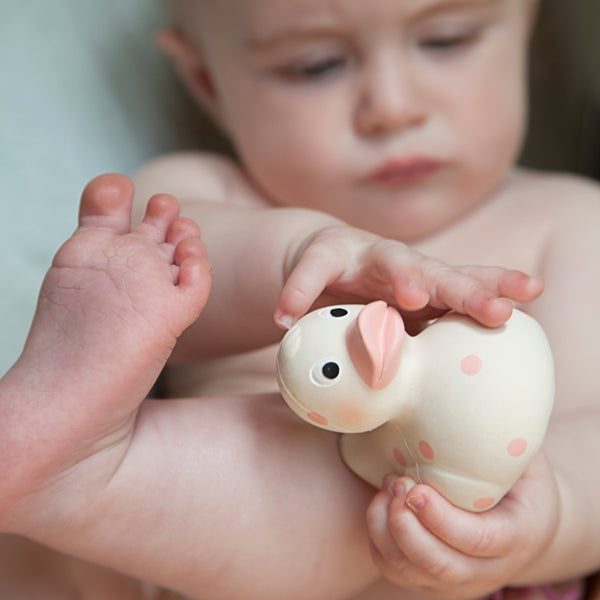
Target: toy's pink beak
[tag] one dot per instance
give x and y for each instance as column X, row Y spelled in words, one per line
column 374, row 341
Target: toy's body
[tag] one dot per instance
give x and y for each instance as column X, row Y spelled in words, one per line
column 460, row 407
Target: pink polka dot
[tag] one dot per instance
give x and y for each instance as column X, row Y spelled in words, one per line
column 483, row 503
column 517, row 447
column 399, row 457
column 471, row 365
column 426, row 450
column 318, row 419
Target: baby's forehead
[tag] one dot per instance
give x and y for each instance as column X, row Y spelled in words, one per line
column 182, row 10
column 195, row 18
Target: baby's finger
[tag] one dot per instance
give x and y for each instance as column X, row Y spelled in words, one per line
column 484, row 535
column 393, row 262
column 418, row 280
column 431, row 557
column 516, row 285
column 405, row 551
column 313, row 273
column 454, row 289
column 384, row 549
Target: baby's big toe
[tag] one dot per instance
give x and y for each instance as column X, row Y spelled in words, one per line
column 106, row 203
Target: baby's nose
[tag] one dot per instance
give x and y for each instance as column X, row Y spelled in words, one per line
column 389, row 100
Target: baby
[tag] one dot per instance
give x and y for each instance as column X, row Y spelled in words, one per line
column 402, row 119
column 360, row 127
column 78, row 438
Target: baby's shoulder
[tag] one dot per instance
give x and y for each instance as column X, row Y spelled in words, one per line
column 195, row 176
column 559, row 193
column 561, row 207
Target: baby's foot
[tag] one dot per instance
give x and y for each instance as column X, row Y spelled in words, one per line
column 114, row 302
column 110, row 310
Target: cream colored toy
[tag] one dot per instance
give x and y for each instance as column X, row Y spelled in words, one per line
column 460, row 407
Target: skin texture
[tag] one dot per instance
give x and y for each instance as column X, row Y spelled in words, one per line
column 247, row 501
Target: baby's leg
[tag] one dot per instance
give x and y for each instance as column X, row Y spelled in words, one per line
column 259, row 506
column 29, row 571
column 109, row 312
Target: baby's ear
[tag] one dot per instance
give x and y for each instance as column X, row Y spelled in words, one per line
column 191, row 68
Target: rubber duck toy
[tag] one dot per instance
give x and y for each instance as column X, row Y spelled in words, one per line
column 461, row 407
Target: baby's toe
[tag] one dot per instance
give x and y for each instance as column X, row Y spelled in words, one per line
column 195, row 283
column 189, row 248
column 182, row 229
column 162, row 210
column 106, row 203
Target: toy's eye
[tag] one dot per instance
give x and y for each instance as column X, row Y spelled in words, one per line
column 326, row 373
column 331, row 370
column 336, row 312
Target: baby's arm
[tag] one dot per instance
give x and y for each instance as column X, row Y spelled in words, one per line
column 279, row 261
column 547, row 528
column 569, row 313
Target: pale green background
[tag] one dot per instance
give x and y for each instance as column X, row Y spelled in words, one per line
column 83, row 91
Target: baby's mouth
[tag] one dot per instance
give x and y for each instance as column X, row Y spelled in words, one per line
column 403, row 171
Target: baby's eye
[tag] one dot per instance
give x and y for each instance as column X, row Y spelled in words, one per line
column 445, row 42
column 313, row 70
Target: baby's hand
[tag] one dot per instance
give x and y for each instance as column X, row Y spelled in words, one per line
column 422, row 542
column 350, row 264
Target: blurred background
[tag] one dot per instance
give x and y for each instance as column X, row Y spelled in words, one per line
column 564, row 131
column 84, row 91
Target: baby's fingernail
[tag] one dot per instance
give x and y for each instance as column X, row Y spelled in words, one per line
column 416, row 502
column 399, row 488
column 387, row 482
column 284, row 321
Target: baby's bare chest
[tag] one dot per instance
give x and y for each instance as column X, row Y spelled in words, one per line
column 506, row 237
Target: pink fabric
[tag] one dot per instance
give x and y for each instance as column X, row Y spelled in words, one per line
column 551, row 592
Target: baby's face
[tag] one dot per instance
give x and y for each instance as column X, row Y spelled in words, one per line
column 394, row 115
